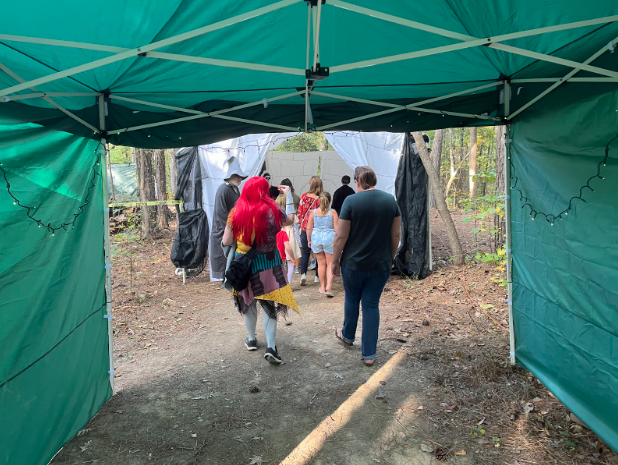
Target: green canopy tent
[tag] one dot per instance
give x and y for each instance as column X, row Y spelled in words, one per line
column 76, row 76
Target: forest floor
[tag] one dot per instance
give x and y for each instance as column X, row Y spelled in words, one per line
column 188, row 392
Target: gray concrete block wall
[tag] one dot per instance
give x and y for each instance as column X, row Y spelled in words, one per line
column 299, row 167
column 333, row 169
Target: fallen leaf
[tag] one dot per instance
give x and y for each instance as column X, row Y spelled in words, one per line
column 328, row 365
column 419, row 408
column 193, row 435
column 461, row 452
column 528, row 407
column 576, row 420
column 426, row 448
column 256, row 460
column 84, row 448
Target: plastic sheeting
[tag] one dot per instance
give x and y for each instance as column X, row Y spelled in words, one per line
column 379, row 150
column 190, row 247
column 250, row 150
column 411, row 190
column 124, row 176
column 53, row 334
column 565, row 297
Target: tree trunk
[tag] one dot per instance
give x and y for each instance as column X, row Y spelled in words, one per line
column 436, row 157
column 472, row 169
column 160, row 177
column 133, row 154
column 499, row 224
column 173, row 171
column 146, row 189
column 438, row 193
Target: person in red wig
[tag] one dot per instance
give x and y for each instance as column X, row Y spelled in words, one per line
column 256, row 219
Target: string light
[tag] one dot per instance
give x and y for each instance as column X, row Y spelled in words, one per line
column 30, row 210
column 551, row 218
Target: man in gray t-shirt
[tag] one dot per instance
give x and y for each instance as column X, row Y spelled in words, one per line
column 364, row 248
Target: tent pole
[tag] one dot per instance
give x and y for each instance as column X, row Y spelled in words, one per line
column 108, row 262
column 199, row 114
column 307, row 64
column 459, row 36
column 47, row 99
column 150, row 47
column 316, row 38
column 564, row 79
column 507, row 211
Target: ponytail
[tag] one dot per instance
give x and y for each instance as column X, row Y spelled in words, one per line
column 324, row 202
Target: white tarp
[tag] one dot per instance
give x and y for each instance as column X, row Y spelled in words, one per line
column 250, row 150
column 378, row 150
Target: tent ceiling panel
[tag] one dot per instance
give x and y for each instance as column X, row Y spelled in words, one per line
column 258, row 32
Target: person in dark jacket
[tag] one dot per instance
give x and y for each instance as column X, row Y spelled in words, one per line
column 341, row 194
column 225, row 199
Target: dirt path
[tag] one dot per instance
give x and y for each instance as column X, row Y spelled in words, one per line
column 188, row 392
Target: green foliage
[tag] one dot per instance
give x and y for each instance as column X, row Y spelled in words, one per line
column 305, row 142
column 119, row 154
column 498, row 258
column 477, row 432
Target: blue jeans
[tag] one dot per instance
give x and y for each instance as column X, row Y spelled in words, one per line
column 365, row 287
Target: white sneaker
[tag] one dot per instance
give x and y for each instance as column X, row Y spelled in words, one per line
column 316, row 280
column 303, row 280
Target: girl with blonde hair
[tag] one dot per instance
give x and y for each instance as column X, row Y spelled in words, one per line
column 321, row 229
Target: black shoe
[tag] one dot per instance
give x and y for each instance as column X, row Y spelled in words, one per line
column 251, row 345
column 273, row 356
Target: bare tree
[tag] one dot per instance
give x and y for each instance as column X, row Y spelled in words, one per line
column 173, row 171
column 145, row 180
column 472, row 166
column 160, row 178
column 454, row 172
column 438, row 193
column 436, row 157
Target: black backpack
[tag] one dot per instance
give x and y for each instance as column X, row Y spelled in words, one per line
column 239, row 272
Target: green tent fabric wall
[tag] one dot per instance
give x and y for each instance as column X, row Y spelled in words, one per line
column 564, row 276
column 53, row 334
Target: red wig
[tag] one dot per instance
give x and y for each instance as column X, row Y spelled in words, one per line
column 251, row 211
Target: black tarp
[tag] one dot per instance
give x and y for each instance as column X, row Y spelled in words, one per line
column 190, row 247
column 411, row 191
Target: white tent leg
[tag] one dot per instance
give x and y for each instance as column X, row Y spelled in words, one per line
column 507, row 211
column 184, row 276
column 108, row 262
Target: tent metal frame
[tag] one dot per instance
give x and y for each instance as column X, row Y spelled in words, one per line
column 107, row 243
column 200, row 114
column 467, row 41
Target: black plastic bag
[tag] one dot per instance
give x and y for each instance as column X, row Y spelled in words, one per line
column 190, row 247
column 411, row 189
